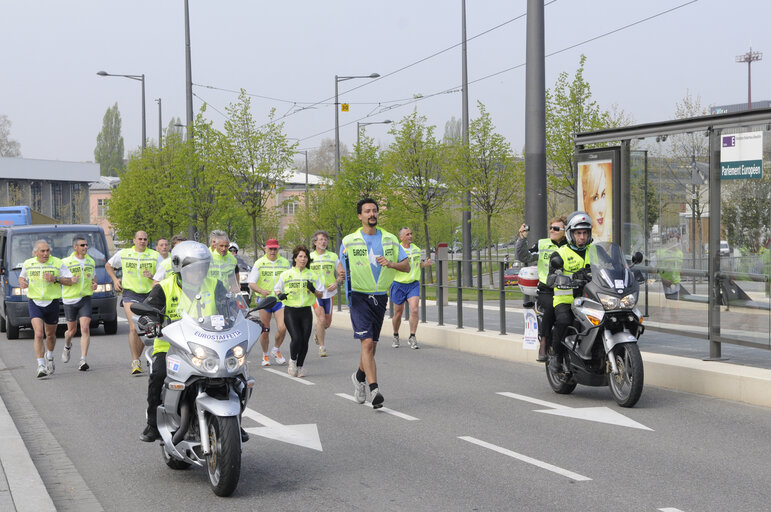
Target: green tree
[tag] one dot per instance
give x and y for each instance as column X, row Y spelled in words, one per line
column 8, row 147
column 109, row 144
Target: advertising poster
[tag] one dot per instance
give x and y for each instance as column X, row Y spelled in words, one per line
column 741, row 156
column 530, row 340
column 594, row 195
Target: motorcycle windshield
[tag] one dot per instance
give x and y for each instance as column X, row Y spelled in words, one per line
column 608, row 264
column 213, row 302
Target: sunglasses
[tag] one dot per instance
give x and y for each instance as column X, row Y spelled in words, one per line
column 145, row 239
column 556, row 228
column 82, row 245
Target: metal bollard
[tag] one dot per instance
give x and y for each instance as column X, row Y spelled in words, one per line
column 459, row 283
column 502, row 305
column 480, row 299
column 439, row 291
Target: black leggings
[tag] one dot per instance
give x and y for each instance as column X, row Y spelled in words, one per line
column 299, row 322
column 545, row 300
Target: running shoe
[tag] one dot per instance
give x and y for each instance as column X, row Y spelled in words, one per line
column 277, row 356
column 265, row 360
column 413, row 341
column 292, row 368
column 377, row 398
column 136, row 367
column 66, row 353
column 395, row 344
column 41, row 371
column 83, row 365
column 300, row 371
column 322, row 351
column 359, row 389
column 50, row 366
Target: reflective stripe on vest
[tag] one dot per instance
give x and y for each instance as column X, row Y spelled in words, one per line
column 571, row 263
column 178, row 303
column 85, row 277
column 324, row 266
column 545, row 249
column 37, row 287
column 222, row 267
column 362, row 278
column 268, row 274
column 413, row 253
column 296, row 289
column 134, row 264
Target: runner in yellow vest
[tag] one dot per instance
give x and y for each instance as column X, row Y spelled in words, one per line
column 324, row 263
column 77, row 299
column 165, row 266
column 223, row 264
column 262, row 279
column 298, row 288
column 42, row 276
column 568, row 260
column 406, row 288
column 369, row 257
column 139, row 265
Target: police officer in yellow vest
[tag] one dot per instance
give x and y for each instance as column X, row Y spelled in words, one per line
column 186, row 289
column 77, row 299
column 42, row 276
column 542, row 252
column 369, row 258
column 298, row 288
column 406, row 288
column 569, row 259
column 139, row 265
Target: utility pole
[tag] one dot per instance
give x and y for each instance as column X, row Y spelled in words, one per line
column 466, row 215
column 749, row 58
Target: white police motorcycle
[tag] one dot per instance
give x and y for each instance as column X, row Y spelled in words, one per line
column 207, row 384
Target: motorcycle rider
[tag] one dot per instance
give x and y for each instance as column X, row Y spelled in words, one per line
column 541, row 252
column 570, row 260
column 174, row 296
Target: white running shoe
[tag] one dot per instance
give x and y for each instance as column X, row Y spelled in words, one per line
column 300, row 371
column 292, row 368
column 265, row 360
column 377, row 398
column 66, row 353
column 395, row 344
column 359, row 389
column 277, row 356
column 413, row 342
column 41, row 371
column 50, row 366
column 322, row 351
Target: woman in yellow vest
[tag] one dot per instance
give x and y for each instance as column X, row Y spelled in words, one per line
column 324, row 263
column 42, row 276
column 298, row 288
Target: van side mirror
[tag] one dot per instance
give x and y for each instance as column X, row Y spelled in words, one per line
column 637, row 257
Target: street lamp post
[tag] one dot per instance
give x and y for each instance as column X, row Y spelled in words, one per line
column 339, row 79
column 359, row 125
column 139, row 78
column 160, row 127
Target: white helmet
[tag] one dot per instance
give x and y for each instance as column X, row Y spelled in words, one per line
column 578, row 220
column 189, row 252
column 232, row 245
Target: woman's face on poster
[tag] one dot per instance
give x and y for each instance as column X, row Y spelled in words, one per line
column 595, row 194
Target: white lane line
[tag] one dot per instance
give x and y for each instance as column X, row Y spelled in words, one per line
column 382, row 409
column 296, row 379
column 532, row 400
column 670, row 509
column 525, row 458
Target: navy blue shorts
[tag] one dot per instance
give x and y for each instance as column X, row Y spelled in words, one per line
column 400, row 292
column 277, row 306
column 49, row 314
column 82, row 308
column 326, row 304
column 367, row 313
column 129, row 297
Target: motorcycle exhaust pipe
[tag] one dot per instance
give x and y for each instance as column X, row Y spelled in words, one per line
column 184, row 423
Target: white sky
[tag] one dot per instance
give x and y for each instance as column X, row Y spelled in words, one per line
column 291, row 50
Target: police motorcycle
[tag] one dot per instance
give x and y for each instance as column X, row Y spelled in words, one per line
column 602, row 342
column 207, row 384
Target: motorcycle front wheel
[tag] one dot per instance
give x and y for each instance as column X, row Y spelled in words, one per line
column 224, row 462
column 627, row 386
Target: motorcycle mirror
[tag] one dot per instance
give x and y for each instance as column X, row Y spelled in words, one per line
column 638, row 275
column 140, row 308
column 637, row 258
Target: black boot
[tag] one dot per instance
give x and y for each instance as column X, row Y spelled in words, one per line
column 149, row 434
column 244, row 435
column 555, row 363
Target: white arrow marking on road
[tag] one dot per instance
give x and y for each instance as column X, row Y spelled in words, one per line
column 598, row 414
column 302, row 435
column 284, row 374
column 525, row 458
column 670, row 509
column 382, row 409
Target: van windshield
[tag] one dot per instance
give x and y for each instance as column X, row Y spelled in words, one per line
column 61, row 245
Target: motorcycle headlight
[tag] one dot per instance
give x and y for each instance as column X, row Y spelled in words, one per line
column 629, row 301
column 19, row 292
column 608, row 301
column 236, row 357
column 205, row 359
column 102, row 288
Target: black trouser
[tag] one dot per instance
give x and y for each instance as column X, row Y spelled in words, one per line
column 563, row 317
column 154, row 388
column 545, row 301
column 299, row 322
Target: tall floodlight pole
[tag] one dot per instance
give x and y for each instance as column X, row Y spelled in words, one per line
column 535, row 123
column 749, row 58
column 138, row 78
column 189, row 123
column 160, row 124
column 466, row 215
column 339, row 79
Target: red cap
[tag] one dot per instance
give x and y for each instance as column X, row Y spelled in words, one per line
column 272, row 243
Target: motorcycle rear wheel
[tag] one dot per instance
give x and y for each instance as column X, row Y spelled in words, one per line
column 224, row 462
column 627, row 386
column 172, row 462
column 560, row 383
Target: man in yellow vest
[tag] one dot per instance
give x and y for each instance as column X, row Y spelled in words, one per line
column 43, row 276
column 324, row 263
column 139, row 265
column 542, row 252
column 569, row 259
column 262, row 279
column 77, row 299
column 162, row 247
column 223, row 263
column 406, row 288
column 369, row 259
column 165, row 266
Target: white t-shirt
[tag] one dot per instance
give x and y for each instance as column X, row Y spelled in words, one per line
column 63, row 272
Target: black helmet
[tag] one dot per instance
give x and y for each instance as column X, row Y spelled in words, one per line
column 578, row 220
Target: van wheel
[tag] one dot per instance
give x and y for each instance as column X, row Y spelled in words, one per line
column 2, row 324
column 12, row 331
column 111, row 326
